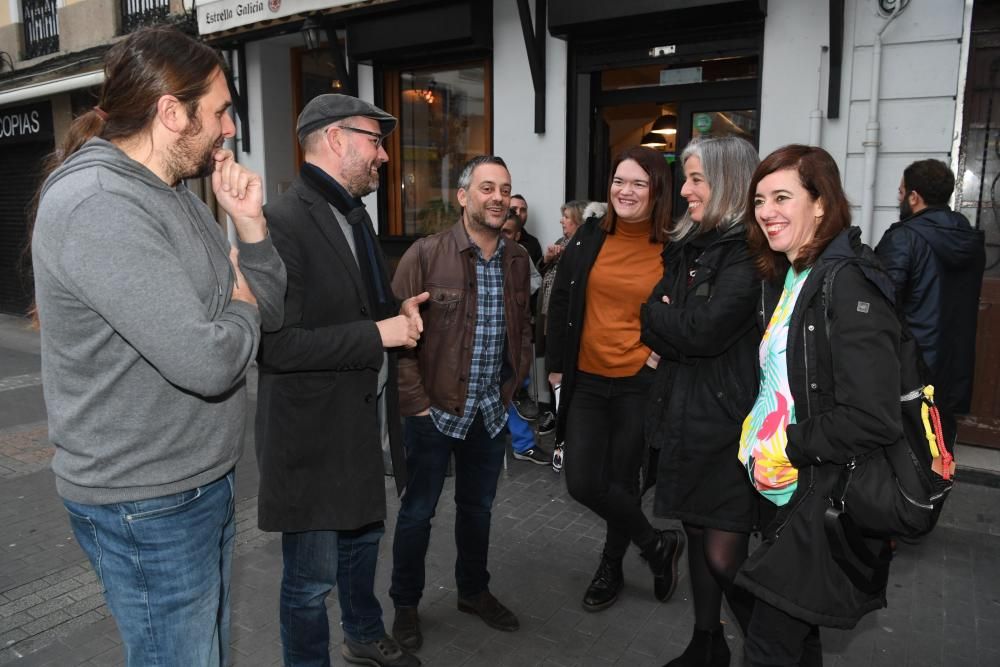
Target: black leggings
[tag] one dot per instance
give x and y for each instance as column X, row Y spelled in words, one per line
column 604, row 447
column 714, row 556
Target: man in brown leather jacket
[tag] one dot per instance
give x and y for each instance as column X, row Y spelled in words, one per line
column 454, row 389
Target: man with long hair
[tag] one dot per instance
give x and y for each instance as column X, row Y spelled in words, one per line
column 149, row 323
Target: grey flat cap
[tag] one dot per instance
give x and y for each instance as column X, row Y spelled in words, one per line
column 325, row 109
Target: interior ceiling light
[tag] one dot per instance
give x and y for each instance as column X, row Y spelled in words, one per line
column 652, row 140
column 665, row 125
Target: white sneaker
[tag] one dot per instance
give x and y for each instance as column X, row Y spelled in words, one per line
column 557, row 458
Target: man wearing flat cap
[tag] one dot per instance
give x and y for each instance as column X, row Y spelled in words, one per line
column 327, row 397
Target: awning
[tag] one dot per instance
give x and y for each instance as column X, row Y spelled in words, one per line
column 37, row 90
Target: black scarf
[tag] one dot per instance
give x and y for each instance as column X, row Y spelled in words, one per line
column 373, row 272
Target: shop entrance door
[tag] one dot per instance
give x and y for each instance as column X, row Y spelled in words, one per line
column 26, row 139
column 661, row 106
column 622, row 126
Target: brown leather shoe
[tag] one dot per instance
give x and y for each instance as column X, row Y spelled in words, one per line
column 488, row 608
column 406, row 628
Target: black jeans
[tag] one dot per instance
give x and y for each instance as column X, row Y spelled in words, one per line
column 604, row 448
column 775, row 639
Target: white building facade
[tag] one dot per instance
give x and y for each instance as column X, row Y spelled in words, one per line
column 557, row 87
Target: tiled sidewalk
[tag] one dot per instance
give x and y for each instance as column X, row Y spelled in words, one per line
column 944, row 598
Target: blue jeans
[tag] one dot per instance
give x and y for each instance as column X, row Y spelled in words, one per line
column 478, row 461
column 164, row 564
column 314, row 562
column 522, row 438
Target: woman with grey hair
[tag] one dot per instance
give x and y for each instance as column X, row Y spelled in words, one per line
column 700, row 319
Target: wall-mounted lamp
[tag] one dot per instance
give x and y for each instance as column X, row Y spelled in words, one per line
column 312, row 33
column 653, row 140
column 429, row 93
column 665, row 125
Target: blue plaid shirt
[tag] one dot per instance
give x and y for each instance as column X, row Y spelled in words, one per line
column 487, row 353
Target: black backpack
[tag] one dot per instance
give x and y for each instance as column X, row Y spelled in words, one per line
column 891, row 492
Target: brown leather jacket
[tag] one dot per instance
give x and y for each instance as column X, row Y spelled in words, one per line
column 436, row 372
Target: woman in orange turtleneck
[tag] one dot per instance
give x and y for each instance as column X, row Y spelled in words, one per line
column 605, row 371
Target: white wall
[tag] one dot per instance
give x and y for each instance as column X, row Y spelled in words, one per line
column 537, row 162
column 793, row 71
column 272, row 123
column 918, row 90
column 919, row 74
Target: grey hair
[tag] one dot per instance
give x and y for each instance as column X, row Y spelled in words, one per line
column 310, row 142
column 465, row 178
column 728, row 164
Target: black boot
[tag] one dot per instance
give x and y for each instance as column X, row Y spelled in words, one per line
column 607, row 583
column 707, row 648
column 662, row 556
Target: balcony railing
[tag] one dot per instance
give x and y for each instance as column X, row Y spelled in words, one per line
column 138, row 13
column 41, row 27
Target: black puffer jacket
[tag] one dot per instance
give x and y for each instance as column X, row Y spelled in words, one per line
column 846, row 392
column 706, row 381
column 936, row 260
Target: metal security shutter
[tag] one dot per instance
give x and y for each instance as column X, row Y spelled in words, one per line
column 20, row 167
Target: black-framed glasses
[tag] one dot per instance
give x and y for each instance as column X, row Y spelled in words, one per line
column 379, row 138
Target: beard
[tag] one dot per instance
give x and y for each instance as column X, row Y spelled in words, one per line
column 193, row 156
column 361, row 175
column 905, row 211
column 478, row 218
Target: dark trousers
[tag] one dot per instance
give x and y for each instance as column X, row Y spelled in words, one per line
column 775, row 639
column 604, row 448
column 314, row 562
column 478, row 461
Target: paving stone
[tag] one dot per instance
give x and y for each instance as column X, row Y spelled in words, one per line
column 20, row 604
column 944, row 595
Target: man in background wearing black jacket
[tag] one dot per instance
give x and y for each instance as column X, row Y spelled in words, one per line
column 520, row 206
column 936, row 259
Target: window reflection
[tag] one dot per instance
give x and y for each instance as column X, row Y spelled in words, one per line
column 742, row 123
column 442, row 125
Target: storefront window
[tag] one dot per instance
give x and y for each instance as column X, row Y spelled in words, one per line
column 443, row 122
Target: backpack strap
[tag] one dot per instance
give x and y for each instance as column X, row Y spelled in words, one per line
column 830, row 277
column 873, row 265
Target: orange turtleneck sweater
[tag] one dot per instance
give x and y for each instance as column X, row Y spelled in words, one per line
column 623, row 276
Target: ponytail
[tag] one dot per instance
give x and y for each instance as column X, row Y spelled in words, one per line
column 149, row 63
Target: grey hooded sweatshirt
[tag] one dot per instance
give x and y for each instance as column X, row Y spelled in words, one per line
column 144, row 352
